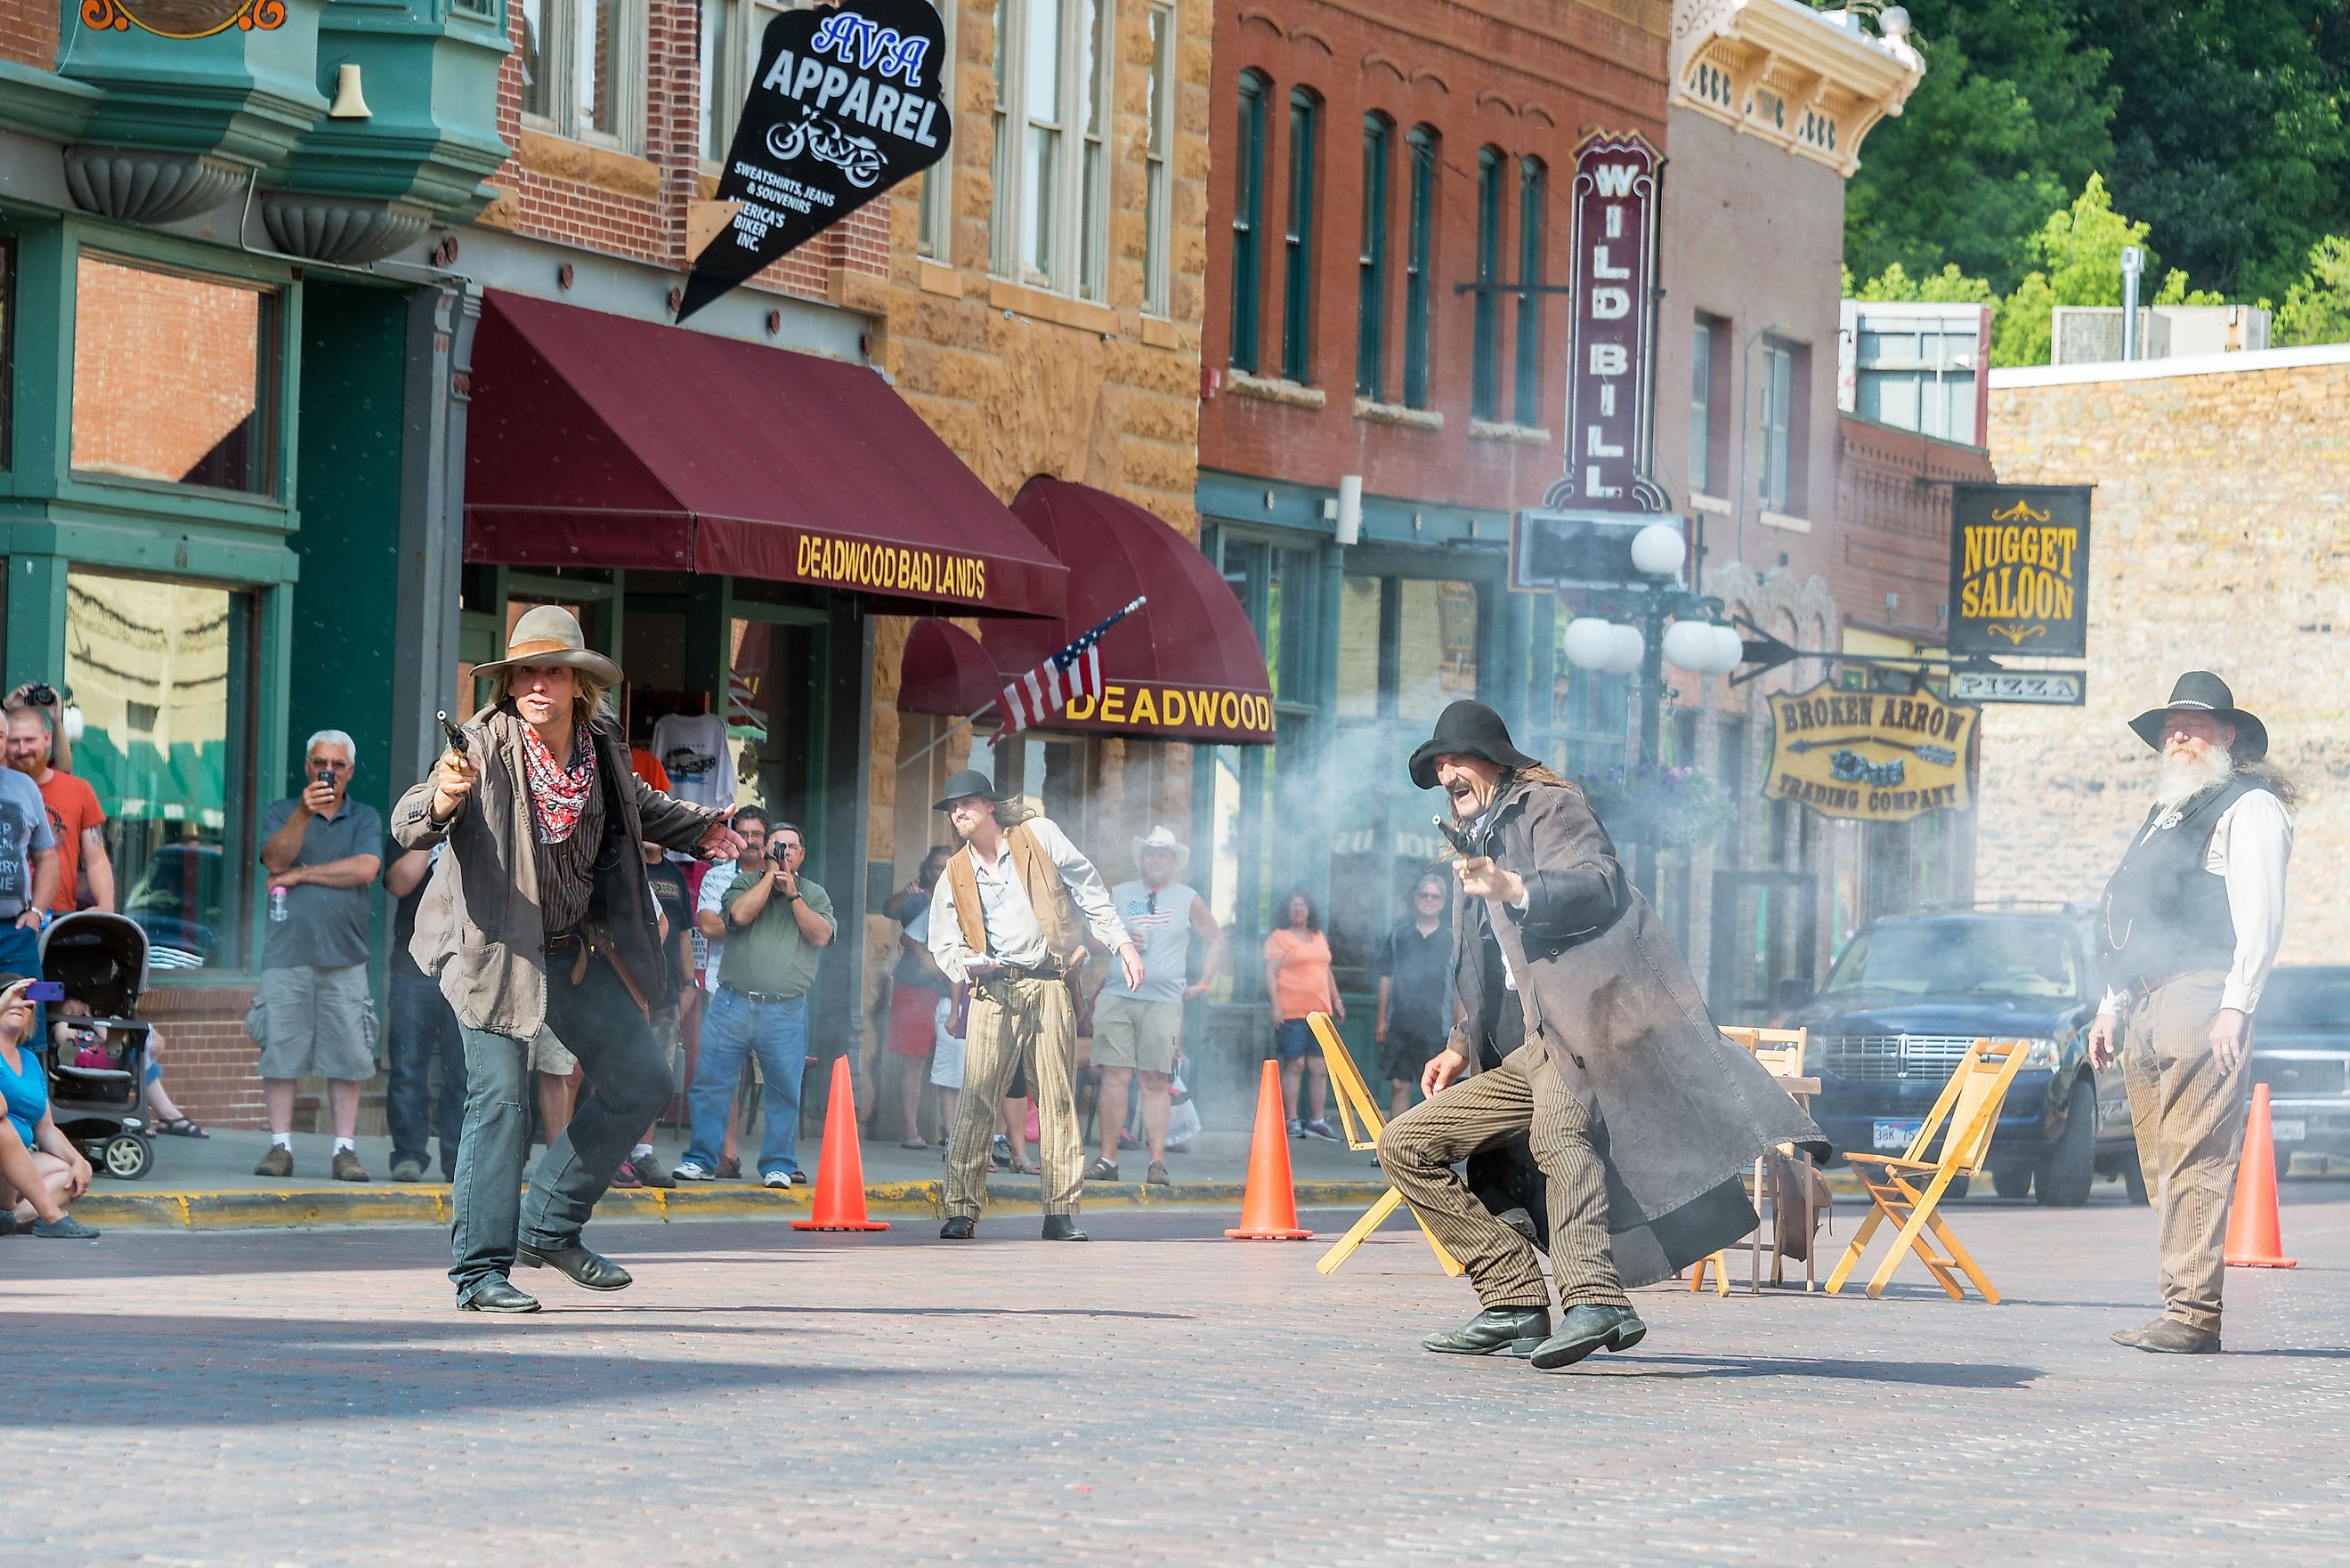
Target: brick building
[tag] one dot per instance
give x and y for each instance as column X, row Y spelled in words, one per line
column 2220, row 540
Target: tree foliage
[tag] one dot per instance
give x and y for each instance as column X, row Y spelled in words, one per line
column 2317, row 309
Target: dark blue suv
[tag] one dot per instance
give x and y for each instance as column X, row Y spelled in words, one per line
column 1912, row 992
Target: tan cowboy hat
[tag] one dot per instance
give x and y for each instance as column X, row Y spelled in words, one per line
column 551, row 635
column 1161, row 839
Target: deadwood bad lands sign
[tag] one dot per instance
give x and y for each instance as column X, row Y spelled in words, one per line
column 1868, row 755
column 2020, row 570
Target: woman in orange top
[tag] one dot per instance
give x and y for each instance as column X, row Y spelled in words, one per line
column 1297, row 978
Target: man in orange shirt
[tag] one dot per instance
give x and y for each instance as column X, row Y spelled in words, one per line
column 75, row 816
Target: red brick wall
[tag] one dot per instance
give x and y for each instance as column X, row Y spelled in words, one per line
column 1893, row 524
column 138, row 409
column 634, row 203
column 1527, row 78
column 28, row 32
column 208, row 1060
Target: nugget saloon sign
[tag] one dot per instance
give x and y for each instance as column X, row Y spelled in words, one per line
column 845, row 103
column 2020, row 570
column 1868, row 756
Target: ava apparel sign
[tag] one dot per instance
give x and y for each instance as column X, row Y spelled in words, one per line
column 2020, row 570
column 1870, row 756
column 845, row 103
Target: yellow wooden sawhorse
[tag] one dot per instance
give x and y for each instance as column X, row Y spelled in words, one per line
column 1359, row 1119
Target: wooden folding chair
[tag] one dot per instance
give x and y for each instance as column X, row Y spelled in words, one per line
column 1359, row 1119
column 1964, row 1115
column 1781, row 1054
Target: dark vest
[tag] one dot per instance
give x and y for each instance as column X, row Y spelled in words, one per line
column 2163, row 913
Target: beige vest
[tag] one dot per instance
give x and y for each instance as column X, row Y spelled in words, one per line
column 1049, row 896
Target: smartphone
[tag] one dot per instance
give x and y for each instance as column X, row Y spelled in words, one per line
column 326, row 778
column 46, row 990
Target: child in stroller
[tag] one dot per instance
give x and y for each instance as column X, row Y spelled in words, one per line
column 93, row 1045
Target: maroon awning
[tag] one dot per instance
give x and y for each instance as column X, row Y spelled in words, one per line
column 601, row 440
column 1187, row 666
column 945, row 672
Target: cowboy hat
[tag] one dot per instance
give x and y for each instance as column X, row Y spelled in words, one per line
column 965, row 782
column 1162, row 838
column 551, row 635
column 2201, row 691
column 1466, row 729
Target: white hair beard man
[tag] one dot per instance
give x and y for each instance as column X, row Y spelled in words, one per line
column 2188, row 930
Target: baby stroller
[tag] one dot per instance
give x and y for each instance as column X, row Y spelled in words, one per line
column 98, row 1078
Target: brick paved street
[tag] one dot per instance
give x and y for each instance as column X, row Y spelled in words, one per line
column 1163, row 1396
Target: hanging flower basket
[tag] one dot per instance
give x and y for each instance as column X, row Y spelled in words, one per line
column 1683, row 808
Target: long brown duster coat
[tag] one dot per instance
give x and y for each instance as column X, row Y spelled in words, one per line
column 1680, row 1112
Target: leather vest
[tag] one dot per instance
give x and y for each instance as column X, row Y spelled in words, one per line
column 2164, row 913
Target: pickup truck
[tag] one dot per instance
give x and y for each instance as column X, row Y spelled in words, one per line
column 2300, row 1050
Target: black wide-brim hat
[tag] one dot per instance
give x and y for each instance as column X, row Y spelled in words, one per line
column 1466, row 729
column 2200, row 690
column 965, row 782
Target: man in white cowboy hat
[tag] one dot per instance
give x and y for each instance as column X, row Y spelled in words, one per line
column 1140, row 1028
column 1009, row 919
column 539, row 915
column 2188, row 929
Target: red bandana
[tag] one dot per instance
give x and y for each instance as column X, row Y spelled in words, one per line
column 558, row 794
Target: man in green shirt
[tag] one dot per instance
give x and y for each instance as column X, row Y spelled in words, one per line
column 777, row 922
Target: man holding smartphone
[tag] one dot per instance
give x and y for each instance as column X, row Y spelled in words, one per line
column 322, row 851
column 777, row 921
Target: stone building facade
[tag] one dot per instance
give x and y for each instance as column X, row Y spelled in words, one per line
column 2220, row 539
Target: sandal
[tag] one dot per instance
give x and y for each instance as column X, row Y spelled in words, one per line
column 180, row 1126
column 914, row 1143
column 1027, row 1168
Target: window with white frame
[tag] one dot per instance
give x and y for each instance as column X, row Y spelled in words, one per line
column 1051, row 159
column 935, row 193
column 1157, row 195
column 1782, row 485
column 583, row 69
column 731, row 31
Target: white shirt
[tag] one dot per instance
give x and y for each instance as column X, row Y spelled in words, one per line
column 713, row 901
column 1013, row 935
column 2250, row 847
column 692, row 750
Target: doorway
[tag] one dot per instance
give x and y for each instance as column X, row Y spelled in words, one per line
column 1765, row 930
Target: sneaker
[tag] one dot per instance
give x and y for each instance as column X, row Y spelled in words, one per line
column 1297, row 1128
column 1001, row 1151
column 278, row 1161
column 686, row 1170
column 1156, row 1175
column 1320, row 1129
column 1102, row 1169
column 346, row 1166
column 626, row 1177
column 408, row 1170
column 650, row 1170
column 800, row 1178
column 776, row 1179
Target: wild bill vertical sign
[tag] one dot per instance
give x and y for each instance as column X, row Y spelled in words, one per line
column 1612, row 366
column 845, row 103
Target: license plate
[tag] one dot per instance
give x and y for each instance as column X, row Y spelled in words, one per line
column 1892, row 1138
column 2289, row 1132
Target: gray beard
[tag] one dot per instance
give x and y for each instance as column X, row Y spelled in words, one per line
column 2186, row 775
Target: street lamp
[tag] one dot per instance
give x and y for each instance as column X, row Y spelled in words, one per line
column 1695, row 642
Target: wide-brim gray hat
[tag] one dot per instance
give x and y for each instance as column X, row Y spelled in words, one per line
column 551, row 635
column 2201, row 692
column 965, row 782
column 1466, row 729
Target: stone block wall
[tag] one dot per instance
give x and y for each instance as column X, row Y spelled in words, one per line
column 2221, row 539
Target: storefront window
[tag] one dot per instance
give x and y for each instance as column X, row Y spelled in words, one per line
column 171, row 377
column 1359, row 649
column 1436, row 646
column 162, row 673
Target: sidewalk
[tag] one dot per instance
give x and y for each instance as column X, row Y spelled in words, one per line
column 209, row 1183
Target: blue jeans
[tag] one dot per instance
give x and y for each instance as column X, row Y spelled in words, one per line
column 734, row 1026
column 628, row 1083
column 423, row 1031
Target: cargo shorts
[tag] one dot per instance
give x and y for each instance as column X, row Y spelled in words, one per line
column 316, row 1019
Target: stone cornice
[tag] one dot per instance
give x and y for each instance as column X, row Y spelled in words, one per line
column 1778, row 70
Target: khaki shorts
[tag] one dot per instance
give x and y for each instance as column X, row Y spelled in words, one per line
column 1131, row 1033
column 552, row 1056
column 316, row 1019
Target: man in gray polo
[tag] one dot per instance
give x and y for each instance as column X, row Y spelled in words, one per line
column 322, row 851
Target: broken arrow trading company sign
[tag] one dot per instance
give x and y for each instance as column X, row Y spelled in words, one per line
column 845, row 103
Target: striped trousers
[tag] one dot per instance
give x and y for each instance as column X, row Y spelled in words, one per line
column 1520, row 1099
column 1013, row 1021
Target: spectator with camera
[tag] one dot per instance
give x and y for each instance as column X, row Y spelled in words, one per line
column 51, row 704
column 322, row 850
column 777, row 922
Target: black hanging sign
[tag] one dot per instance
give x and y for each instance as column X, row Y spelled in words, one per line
column 846, row 102
column 2020, row 570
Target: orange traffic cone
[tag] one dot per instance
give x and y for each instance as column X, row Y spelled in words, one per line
column 1269, row 1206
column 840, row 1169
column 2253, row 1241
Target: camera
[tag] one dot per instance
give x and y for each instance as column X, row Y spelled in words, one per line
column 41, row 695
column 776, row 851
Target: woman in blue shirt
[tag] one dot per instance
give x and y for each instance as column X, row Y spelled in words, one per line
column 40, row 1169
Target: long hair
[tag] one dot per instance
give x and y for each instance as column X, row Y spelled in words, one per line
column 591, row 697
column 1014, row 812
column 1313, row 916
column 2275, row 779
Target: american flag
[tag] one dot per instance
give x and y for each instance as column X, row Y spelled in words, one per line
column 1074, row 671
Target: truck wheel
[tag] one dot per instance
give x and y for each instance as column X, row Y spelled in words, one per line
column 2068, row 1169
column 2012, row 1180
